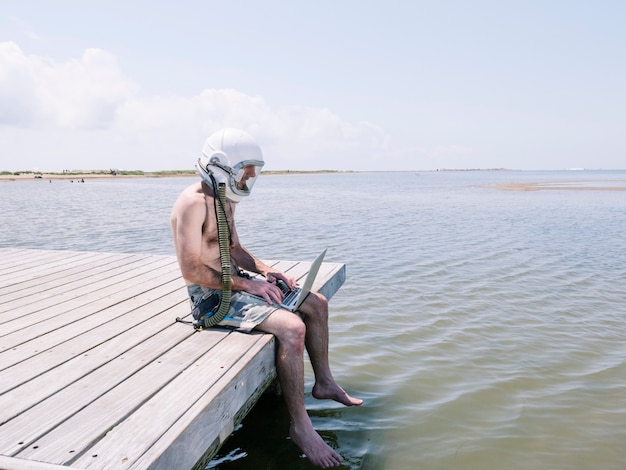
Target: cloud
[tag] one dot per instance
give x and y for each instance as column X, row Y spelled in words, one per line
column 295, row 137
column 37, row 92
column 98, row 115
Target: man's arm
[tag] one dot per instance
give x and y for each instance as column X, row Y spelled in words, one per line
column 249, row 262
column 245, row 260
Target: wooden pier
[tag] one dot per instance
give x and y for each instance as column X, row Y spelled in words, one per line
column 96, row 374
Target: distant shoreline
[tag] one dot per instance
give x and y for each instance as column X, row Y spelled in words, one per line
column 90, row 175
column 104, row 174
column 81, row 176
column 557, row 186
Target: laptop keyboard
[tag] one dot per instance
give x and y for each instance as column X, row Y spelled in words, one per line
column 291, row 296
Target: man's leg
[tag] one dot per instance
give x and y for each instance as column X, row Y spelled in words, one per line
column 290, row 332
column 315, row 311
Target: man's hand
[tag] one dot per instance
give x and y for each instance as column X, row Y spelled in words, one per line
column 268, row 291
column 272, row 277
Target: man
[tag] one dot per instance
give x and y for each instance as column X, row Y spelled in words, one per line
column 232, row 157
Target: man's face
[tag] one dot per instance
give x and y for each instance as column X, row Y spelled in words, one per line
column 248, row 172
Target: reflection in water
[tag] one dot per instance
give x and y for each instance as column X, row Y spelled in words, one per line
column 264, row 434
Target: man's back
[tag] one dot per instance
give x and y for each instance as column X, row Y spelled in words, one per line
column 194, row 225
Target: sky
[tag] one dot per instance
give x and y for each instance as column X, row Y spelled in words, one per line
column 321, row 85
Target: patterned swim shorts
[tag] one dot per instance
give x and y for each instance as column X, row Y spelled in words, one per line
column 246, row 310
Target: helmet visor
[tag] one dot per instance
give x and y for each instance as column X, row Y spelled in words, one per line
column 244, row 176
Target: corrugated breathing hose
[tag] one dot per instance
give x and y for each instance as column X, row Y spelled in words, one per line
column 224, row 244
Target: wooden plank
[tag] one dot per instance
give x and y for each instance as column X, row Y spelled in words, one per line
column 35, row 379
column 9, row 253
column 296, row 269
column 106, row 363
column 134, row 375
column 39, row 317
column 14, row 463
column 27, row 259
column 84, row 267
column 87, row 285
column 185, row 413
column 80, row 321
column 330, row 280
column 37, row 267
column 86, row 425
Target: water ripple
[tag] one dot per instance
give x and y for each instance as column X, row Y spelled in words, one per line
column 484, row 329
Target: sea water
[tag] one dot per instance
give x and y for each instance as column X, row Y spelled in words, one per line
column 484, row 328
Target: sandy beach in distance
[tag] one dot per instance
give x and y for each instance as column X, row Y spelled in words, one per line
column 87, row 176
column 579, row 185
column 561, row 186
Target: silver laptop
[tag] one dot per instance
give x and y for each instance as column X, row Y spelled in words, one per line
column 294, row 298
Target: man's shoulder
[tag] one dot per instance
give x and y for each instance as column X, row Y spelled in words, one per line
column 194, row 190
column 191, row 196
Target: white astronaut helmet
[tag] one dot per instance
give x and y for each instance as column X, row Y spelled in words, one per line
column 233, row 157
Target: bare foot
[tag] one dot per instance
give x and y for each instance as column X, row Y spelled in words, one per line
column 316, row 450
column 334, row 392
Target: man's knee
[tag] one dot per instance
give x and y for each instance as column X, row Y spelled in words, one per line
column 323, row 301
column 315, row 308
column 293, row 332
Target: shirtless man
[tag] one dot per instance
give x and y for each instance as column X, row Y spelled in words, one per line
column 231, row 156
